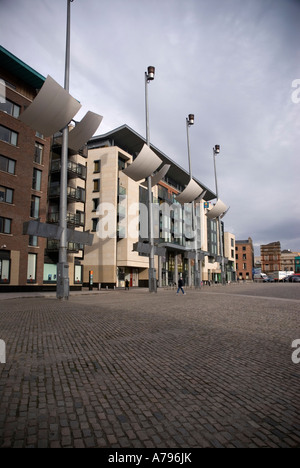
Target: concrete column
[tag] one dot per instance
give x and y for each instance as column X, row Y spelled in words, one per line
column 176, row 269
column 159, row 271
column 189, row 273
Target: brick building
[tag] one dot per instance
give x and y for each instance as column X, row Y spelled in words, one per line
column 244, row 258
column 270, row 257
column 24, row 163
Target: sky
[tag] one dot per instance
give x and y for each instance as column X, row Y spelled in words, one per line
column 234, row 64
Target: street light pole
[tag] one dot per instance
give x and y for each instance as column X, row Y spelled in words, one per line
column 216, row 150
column 149, row 76
column 189, row 123
column 62, row 289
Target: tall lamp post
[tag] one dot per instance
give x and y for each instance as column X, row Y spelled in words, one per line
column 216, row 150
column 189, row 123
column 62, row 291
column 149, row 76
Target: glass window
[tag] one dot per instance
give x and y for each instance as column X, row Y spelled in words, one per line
column 94, row 224
column 4, row 270
column 33, row 241
column 5, row 225
column 96, row 185
column 97, row 166
column 35, row 206
column 38, row 154
column 10, row 108
column 9, row 136
column 31, row 268
column 6, row 194
column 36, row 180
column 96, row 202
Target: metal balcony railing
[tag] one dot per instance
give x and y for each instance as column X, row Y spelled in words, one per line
column 73, row 219
column 75, row 194
column 74, row 169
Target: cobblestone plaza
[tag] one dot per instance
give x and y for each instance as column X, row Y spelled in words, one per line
column 130, row 369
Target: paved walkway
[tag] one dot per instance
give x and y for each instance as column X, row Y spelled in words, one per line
column 132, row 369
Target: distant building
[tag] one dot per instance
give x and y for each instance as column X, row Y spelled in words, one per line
column 244, row 258
column 229, row 253
column 270, row 257
column 289, row 260
column 297, row 264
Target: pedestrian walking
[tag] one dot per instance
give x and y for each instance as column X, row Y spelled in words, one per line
column 127, row 285
column 180, row 286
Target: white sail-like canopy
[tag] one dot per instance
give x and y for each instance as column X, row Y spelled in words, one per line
column 190, row 193
column 158, row 176
column 51, row 110
column 217, row 210
column 83, row 131
column 144, row 165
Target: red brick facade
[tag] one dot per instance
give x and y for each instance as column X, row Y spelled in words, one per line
column 14, row 244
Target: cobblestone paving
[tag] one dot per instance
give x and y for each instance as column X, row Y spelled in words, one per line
column 132, row 369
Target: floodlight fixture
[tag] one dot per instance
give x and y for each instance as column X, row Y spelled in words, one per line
column 150, row 73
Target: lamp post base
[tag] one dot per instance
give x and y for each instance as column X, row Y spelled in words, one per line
column 62, row 286
column 152, row 280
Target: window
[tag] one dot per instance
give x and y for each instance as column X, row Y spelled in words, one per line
column 36, row 179
column 96, row 185
column 244, row 248
column 39, row 135
column 6, row 194
column 31, row 268
column 244, row 266
column 236, row 256
column 35, row 206
column 96, row 202
column 38, row 153
column 4, row 270
column 9, row 136
column 7, row 164
column 94, row 224
column 10, row 108
column 33, row 241
column 97, row 166
column 5, row 225
column 244, row 256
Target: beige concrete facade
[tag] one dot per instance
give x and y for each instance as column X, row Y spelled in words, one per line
column 113, row 220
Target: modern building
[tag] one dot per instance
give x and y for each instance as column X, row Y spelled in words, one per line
column 116, row 212
column 244, row 258
column 76, row 195
column 229, row 253
column 101, row 199
column 270, row 257
column 24, row 168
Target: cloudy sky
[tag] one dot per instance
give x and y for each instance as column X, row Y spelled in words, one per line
column 235, row 64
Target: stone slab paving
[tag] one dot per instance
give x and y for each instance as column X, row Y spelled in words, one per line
column 130, row 369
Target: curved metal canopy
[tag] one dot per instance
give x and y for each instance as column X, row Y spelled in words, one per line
column 190, row 193
column 51, row 110
column 217, row 210
column 158, row 176
column 144, row 165
column 83, row 131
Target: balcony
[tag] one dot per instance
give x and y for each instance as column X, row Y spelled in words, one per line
column 73, row 219
column 74, row 169
column 53, row 246
column 74, row 194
